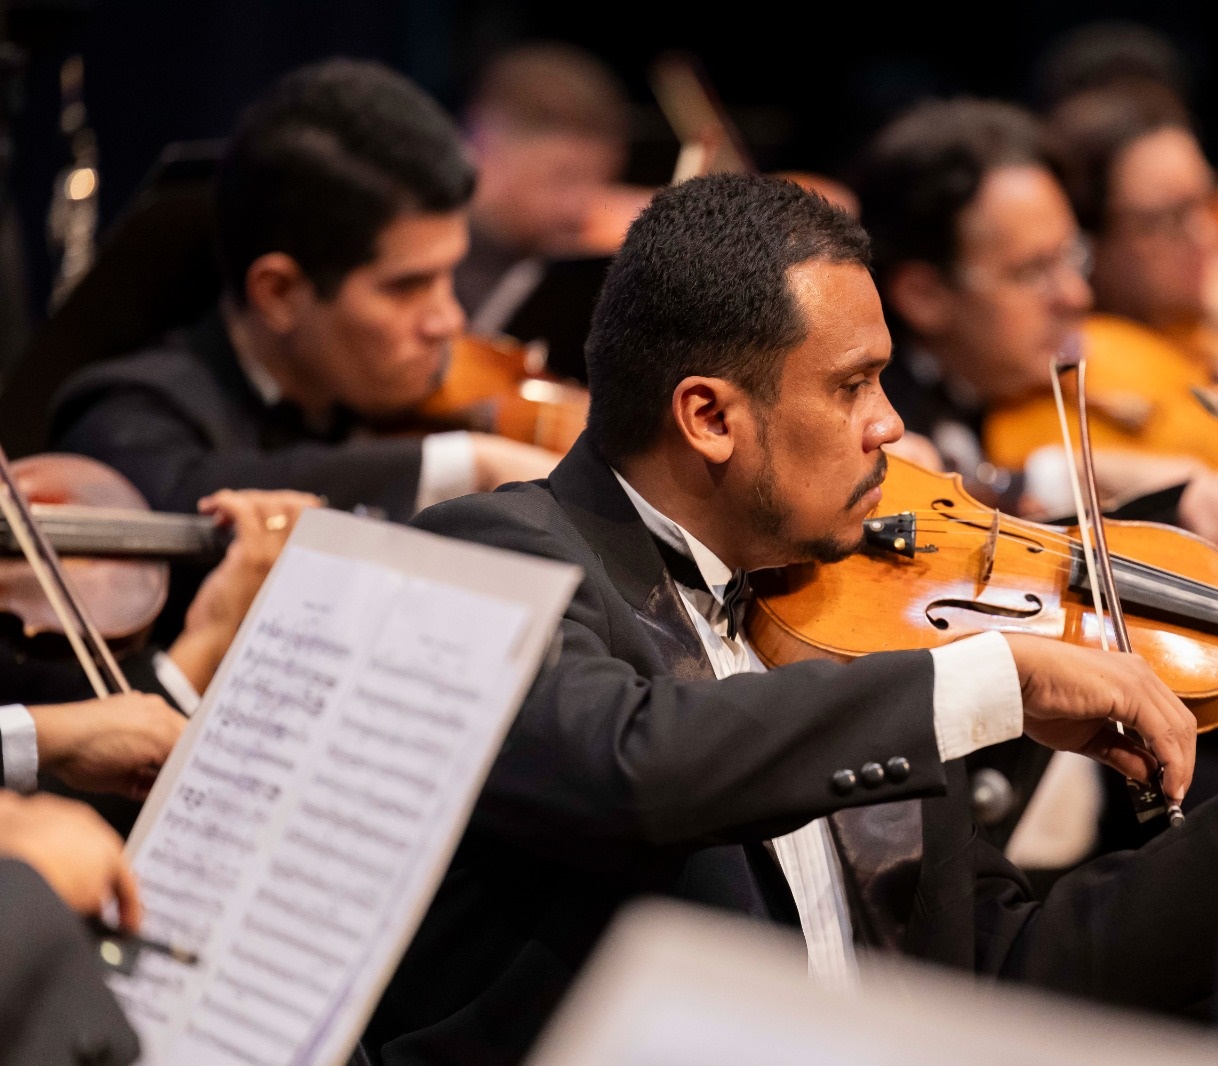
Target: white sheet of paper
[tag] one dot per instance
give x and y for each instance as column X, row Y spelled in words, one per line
column 685, row 985
column 298, row 833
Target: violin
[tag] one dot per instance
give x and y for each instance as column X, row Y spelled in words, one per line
column 115, row 550
column 500, row 385
column 938, row 565
column 1140, row 392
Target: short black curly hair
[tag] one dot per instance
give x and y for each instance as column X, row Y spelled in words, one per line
column 324, row 160
column 700, row 286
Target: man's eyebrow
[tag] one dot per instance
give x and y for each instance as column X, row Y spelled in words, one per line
column 865, row 364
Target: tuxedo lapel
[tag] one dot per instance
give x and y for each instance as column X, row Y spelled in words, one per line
column 880, row 847
column 585, row 487
column 747, row 878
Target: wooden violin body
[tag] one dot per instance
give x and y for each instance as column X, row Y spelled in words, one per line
column 497, row 385
column 965, row 568
column 1139, row 392
column 112, row 546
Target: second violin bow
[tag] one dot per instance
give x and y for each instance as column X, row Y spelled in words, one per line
column 90, row 647
column 1148, row 799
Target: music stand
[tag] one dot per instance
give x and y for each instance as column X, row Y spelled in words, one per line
column 154, row 270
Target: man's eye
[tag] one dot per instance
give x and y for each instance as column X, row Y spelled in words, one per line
column 405, row 286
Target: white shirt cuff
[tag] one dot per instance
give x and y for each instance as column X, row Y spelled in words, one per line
column 977, row 695
column 20, row 746
column 447, row 468
column 176, row 683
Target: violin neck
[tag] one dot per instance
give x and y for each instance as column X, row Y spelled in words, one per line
column 1152, row 588
column 76, row 530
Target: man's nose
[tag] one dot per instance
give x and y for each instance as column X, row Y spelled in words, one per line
column 444, row 316
column 885, row 429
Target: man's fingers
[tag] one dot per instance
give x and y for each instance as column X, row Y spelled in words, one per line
column 1169, row 729
column 1122, row 753
column 127, row 895
column 1159, row 738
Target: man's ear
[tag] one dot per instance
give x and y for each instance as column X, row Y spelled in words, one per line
column 277, row 290
column 919, row 294
column 708, row 413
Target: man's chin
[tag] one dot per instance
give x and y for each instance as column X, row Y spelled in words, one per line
column 829, row 549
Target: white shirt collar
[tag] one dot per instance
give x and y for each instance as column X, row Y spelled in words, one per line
column 714, row 571
column 259, row 378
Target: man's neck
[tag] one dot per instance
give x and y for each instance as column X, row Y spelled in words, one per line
column 682, row 490
column 263, row 360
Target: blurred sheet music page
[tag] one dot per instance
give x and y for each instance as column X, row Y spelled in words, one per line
column 300, row 829
column 679, row 984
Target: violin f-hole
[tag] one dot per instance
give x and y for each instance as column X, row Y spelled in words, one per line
column 994, row 610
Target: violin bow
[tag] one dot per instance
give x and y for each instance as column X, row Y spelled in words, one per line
column 1148, row 799
column 90, row 647
column 710, row 141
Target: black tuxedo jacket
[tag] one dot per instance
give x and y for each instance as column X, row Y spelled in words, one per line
column 630, row 770
column 180, row 420
column 55, row 1008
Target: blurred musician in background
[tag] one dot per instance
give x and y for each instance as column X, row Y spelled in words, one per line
column 548, row 127
column 1143, row 191
column 984, row 272
column 341, row 214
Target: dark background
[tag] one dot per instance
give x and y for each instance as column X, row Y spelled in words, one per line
column 804, row 83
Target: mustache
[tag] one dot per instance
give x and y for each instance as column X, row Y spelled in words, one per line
column 873, row 481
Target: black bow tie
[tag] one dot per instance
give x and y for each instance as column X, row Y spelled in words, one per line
column 685, row 571
column 285, row 423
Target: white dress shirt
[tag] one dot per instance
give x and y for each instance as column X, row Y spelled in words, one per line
column 977, row 702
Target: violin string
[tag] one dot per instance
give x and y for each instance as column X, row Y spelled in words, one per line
column 954, row 526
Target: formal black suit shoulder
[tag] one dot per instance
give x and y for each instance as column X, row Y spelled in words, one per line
column 628, row 770
column 55, row 1007
column 180, row 420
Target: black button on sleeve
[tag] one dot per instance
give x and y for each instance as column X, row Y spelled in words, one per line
column 898, row 768
column 872, row 774
column 843, row 781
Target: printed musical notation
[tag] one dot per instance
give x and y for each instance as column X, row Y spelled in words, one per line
column 296, row 841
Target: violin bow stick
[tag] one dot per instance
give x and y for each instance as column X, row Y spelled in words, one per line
column 90, row 647
column 709, row 139
column 1148, row 799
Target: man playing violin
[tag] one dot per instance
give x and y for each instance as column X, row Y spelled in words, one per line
column 737, row 422
column 109, row 750
column 983, row 273
column 341, row 212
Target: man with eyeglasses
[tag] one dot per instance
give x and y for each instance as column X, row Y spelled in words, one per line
column 1143, row 191
column 984, row 274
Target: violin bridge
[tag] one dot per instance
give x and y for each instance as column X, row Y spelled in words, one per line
column 894, row 533
column 988, row 551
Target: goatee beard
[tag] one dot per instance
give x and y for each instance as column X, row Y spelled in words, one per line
column 771, row 516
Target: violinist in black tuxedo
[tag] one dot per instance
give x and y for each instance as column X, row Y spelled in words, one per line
column 341, row 207
column 737, row 423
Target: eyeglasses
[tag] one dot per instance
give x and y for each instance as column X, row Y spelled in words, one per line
column 1041, row 274
column 1171, row 221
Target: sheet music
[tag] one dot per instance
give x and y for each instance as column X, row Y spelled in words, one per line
column 298, row 833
